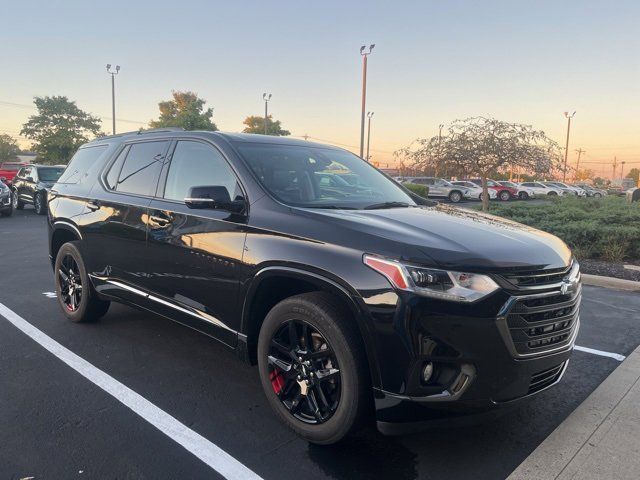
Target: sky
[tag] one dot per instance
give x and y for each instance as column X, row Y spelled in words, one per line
column 434, row 62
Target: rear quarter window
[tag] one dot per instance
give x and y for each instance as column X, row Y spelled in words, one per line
column 82, row 163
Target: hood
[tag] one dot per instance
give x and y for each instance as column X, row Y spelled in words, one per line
column 453, row 238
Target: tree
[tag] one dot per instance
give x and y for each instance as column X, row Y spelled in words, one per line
column 9, row 149
column 482, row 146
column 186, row 111
column 255, row 124
column 585, row 174
column 635, row 174
column 59, row 128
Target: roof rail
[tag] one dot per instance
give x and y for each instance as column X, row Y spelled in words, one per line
column 160, row 130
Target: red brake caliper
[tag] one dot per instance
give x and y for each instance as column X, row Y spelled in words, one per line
column 277, row 382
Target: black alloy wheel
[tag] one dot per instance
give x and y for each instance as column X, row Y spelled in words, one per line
column 304, row 372
column 39, row 203
column 70, row 283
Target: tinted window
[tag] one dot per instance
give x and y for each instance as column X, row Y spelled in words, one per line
column 112, row 177
column 196, row 164
column 81, row 162
column 527, row 184
column 49, row 174
column 288, row 172
column 139, row 174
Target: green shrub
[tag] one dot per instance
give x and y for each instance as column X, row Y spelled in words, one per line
column 421, row 190
column 607, row 228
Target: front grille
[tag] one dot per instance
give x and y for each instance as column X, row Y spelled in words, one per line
column 536, row 278
column 538, row 323
column 545, row 378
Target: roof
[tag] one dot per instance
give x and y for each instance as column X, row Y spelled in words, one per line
column 229, row 136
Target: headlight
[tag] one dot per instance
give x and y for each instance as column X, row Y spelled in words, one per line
column 430, row 282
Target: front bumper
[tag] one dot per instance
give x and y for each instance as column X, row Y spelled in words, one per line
column 490, row 354
column 5, row 201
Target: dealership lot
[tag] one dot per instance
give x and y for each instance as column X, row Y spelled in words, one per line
column 55, row 423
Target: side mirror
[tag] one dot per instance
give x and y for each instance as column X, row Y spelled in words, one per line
column 213, row 197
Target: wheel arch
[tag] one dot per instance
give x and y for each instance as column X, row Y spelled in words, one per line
column 275, row 283
column 62, row 233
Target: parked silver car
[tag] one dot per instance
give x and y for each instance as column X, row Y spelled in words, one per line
column 541, row 189
column 474, row 192
column 439, row 187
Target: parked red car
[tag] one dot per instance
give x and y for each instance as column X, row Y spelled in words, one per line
column 8, row 170
column 503, row 193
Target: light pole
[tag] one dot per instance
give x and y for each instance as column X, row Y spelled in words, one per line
column 369, row 115
column 568, row 116
column 113, row 92
column 364, row 53
column 440, row 127
column 266, row 97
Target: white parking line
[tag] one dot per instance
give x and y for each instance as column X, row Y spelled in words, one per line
column 195, row 443
column 617, row 356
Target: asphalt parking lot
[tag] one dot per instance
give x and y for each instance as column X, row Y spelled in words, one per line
column 54, row 423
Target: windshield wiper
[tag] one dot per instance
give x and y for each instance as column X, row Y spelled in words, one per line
column 377, row 206
column 332, row 207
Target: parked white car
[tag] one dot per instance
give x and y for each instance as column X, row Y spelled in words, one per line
column 540, row 189
column 524, row 193
column 439, row 187
column 474, row 192
column 575, row 190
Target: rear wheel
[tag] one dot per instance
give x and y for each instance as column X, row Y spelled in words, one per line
column 504, row 195
column 597, row 195
column 312, row 367
column 455, row 196
column 553, row 194
column 76, row 297
column 523, row 196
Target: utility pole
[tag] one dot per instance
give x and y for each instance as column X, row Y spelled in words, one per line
column 580, row 152
column 369, row 115
column 266, row 98
column 568, row 116
column 364, row 53
column 113, row 93
column 440, row 127
column 615, row 165
column 622, row 171
column 305, row 136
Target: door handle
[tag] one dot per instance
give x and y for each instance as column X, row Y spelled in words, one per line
column 93, row 206
column 160, row 221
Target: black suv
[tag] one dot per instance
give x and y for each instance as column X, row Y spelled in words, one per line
column 31, row 185
column 348, row 295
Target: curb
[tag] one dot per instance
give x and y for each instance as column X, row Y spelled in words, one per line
column 579, row 446
column 611, row 282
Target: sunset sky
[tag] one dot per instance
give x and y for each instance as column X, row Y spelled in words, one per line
column 520, row 61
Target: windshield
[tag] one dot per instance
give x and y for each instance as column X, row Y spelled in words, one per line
column 321, row 177
column 11, row 167
column 51, row 174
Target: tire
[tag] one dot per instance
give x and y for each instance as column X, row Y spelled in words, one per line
column 504, row 196
column 597, row 195
column 17, row 203
column 321, row 314
column 39, row 203
column 455, row 196
column 552, row 194
column 88, row 307
column 523, row 196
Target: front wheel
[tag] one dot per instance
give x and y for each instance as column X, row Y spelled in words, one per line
column 455, row 196
column 504, row 195
column 77, row 299
column 523, row 196
column 553, row 194
column 39, row 203
column 17, row 203
column 312, row 367
column 597, row 195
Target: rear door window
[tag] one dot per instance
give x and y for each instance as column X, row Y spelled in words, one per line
column 141, row 169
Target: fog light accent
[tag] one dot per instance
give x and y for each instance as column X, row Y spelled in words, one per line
column 427, row 372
